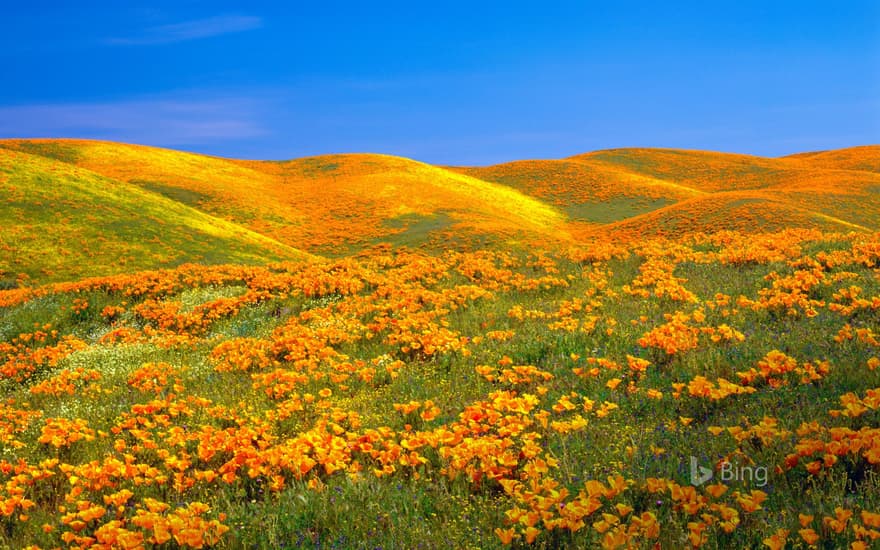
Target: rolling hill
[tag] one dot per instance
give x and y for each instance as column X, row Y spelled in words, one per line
column 324, row 204
column 865, row 158
column 670, row 192
column 62, row 222
column 91, row 202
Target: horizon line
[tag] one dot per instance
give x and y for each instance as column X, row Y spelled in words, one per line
column 375, row 153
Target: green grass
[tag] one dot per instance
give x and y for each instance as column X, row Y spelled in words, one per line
column 48, row 149
column 64, row 223
column 178, row 194
column 641, row 439
column 416, row 228
column 615, row 209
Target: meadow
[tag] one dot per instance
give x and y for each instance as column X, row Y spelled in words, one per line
column 450, row 377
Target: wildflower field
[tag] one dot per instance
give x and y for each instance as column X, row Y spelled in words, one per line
column 501, row 390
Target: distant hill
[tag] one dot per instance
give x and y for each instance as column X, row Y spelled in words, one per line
column 866, row 158
column 673, row 192
column 320, row 203
column 76, row 207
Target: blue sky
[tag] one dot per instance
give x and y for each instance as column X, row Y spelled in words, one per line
column 444, row 82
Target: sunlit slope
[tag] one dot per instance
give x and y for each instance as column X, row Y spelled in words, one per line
column 62, row 222
column 701, row 170
column 326, row 203
column 809, row 195
column 214, row 185
column 359, row 197
column 865, row 158
column 586, row 192
column 336, row 204
column 744, row 211
column 658, row 191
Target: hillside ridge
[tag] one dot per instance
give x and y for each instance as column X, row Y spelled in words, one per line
column 333, row 205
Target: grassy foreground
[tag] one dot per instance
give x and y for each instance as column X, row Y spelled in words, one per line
column 397, row 399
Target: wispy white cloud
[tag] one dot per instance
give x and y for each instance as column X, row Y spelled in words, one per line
column 167, row 121
column 190, row 30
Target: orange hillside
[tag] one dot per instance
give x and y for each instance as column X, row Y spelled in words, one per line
column 866, row 158
column 320, row 202
column 333, row 204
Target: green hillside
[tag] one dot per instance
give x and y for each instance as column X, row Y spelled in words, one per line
column 62, row 222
